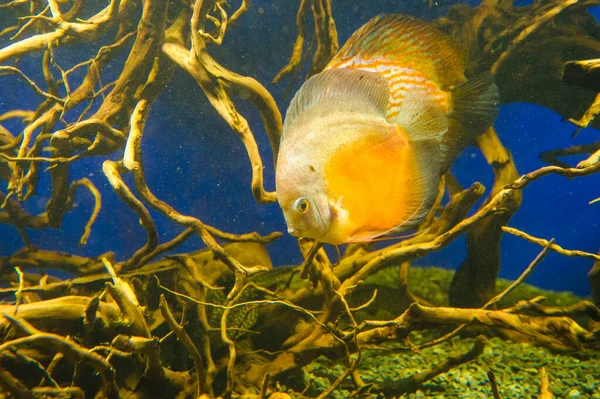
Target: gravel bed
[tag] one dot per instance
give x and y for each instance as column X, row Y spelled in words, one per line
column 515, row 365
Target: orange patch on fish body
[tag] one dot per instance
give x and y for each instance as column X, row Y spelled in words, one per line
column 372, row 179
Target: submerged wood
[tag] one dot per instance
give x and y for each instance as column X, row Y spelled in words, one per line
column 594, row 278
column 527, row 47
column 475, row 280
column 222, row 322
column 585, row 74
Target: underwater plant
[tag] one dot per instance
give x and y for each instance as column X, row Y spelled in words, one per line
column 222, row 322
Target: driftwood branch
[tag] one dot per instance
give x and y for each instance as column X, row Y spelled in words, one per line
column 109, row 331
column 583, row 73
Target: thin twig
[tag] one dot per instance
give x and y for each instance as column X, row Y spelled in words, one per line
column 184, row 338
column 87, row 183
column 524, row 275
column 264, row 386
column 553, row 247
column 29, row 82
column 545, row 389
column 494, row 384
column 19, row 293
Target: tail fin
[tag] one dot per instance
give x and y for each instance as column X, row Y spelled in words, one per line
column 475, row 107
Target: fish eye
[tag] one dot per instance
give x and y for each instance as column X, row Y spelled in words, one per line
column 302, row 205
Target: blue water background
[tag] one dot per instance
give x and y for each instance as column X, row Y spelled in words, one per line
column 197, row 164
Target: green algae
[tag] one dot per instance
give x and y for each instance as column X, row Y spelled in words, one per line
column 515, row 365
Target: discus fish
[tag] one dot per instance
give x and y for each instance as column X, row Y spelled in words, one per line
column 365, row 141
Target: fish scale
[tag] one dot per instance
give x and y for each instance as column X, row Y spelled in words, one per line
column 410, row 54
column 401, row 82
column 404, row 40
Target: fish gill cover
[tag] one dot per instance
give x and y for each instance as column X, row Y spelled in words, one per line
column 138, row 142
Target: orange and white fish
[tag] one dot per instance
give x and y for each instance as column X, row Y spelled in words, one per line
column 365, row 141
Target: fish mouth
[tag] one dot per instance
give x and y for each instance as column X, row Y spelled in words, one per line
column 294, row 232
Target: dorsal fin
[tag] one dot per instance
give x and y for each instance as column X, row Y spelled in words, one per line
column 347, row 90
column 406, row 41
column 422, row 117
